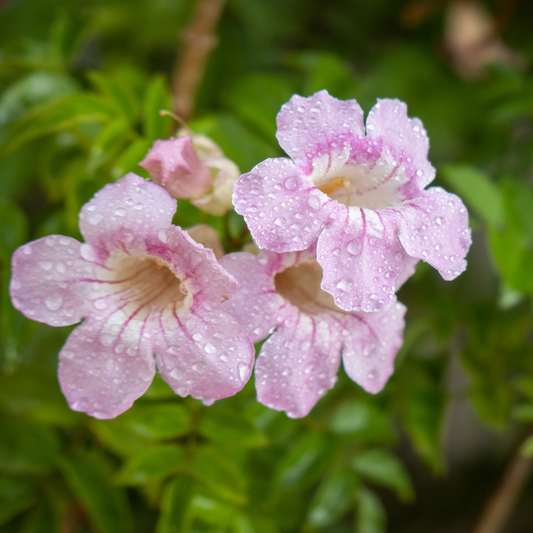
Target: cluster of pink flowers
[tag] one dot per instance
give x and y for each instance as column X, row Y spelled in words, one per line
column 341, row 225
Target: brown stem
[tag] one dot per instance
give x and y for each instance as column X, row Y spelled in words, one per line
column 501, row 504
column 198, row 41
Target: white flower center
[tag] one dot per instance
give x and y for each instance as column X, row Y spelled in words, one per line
column 300, row 285
column 141, row 285
column 370, row 182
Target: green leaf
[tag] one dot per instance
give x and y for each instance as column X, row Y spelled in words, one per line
column 176, row 513
column 423, row 415
column 89, row 477
column 65, row 114
column 45, row 519
column 371, row 516
column 34, row 392
column 13, row 228
column 333, row 498
column 26, row 446
column 524, row 412
column 527, row 447
column 112, row 137
column 157, row 98
column 216, row 471
column 493, row 399
column 129, row 159
column 119, row 95
column 159, row 390
column 363, row 420
column 478, row 191
column 212, row 511
column 305, row 461
column 383, row 468
column 16, row 495
column 119, row 437
column 34, row 88
column 153, row 464
column 257, row 99
column 227, row 426
column 157, row 421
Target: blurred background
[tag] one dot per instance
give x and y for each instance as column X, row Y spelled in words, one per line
column 447, row 446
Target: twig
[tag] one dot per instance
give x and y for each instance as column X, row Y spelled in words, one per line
column 198, row 41
column 501, row 504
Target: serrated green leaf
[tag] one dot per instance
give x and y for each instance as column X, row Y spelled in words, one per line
column 74, row 110
column 478, row 191
column 176, row 513
column 333, row 498
column 362, row 420
column 89, row 477
column 16, row 495
column 151, row 465
column 371, row 516
column 383, row 468
column 217, row 472
column 305, row 461
column 26, row 446
column 157, row 98
column 227, row 426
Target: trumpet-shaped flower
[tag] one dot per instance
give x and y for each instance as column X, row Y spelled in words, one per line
column 361, row 197
column 281, row 294
column 194, row 167
column 142, row 286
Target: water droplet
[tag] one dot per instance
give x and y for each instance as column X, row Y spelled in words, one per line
column 54, row 302
column 244, row 371
column 290, row 183
column 354, row 247
column 176, row 374
column 87, row 252
column 163, row 235
column 210, row 348
column 61, row 267
column 100, row 304
column 345, row 284
column 305, row 345
column 27, row 249
column 199, row 367
column 95, row 219
column 69, row 354
column 138, row 206
column 197, row 337
column 309, row 368
column 47, row 265
column 279, row 221
column 121, row 212
column 224, row 358
column 373, row 374
column 439, row 221
column 208, row 402
column 314, row 202
column 437, row 247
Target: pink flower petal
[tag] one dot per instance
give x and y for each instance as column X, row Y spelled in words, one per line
column 405, row 137
column 297, row 364
column 174, row 165
column 307, row 127
column 99, row 374
column 434, row 227
column 408, row 269
column 369, row 351
column 361, row 258
column 283, row 210
column 45, row 283
column 256, row 306
column 124, row 214
column 205, row 354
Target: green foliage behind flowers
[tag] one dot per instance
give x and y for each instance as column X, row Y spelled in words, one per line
column 81, row 91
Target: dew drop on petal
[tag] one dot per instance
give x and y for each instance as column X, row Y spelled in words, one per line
column 208, row 402
column 224, row 358
column 69, row 354
column 345, row 284
column 163, row 235
column 87, row 252
column 373, row 374
column 95, row 219
column 243, row 370
column 54, row 302
column 176, row 374
column 305, row 345
column 354, row 247
column 47, row 265
column 210, row 348
column 120, row 212
column 100, row 304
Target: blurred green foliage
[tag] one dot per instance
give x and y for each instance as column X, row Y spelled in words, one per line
column 81, row 90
